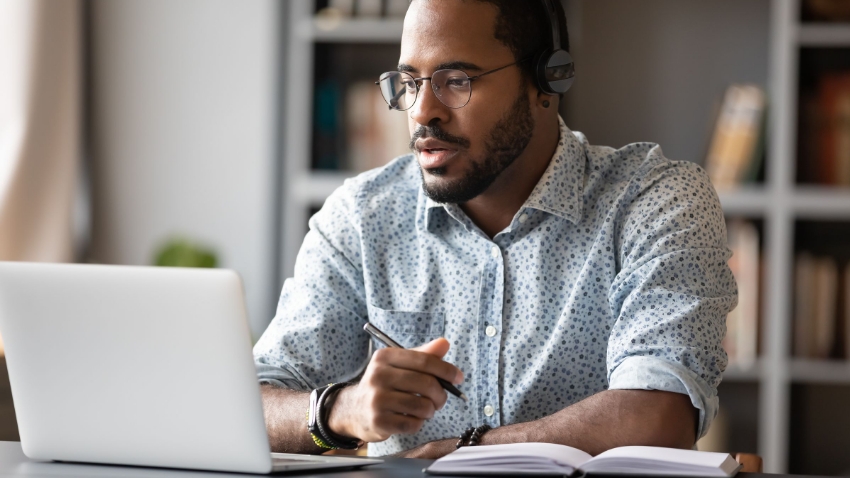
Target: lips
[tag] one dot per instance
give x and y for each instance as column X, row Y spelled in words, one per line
column 434, row 153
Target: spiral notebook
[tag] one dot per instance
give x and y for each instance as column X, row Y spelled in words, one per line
column 551, row 459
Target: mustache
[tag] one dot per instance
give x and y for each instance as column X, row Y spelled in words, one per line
column 437, row 133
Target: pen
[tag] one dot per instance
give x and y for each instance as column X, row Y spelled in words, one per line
column 386, row 340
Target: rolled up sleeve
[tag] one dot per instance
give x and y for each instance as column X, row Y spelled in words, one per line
column 673, row 291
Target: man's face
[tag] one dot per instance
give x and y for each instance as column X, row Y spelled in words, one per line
column 462, row 151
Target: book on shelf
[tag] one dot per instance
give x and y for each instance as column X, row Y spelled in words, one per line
column 365, row 8
column 826, row 11
column 550, row 459
column 816, row 299
column 375, row 133
column 833, row 160
column 736, row 149
column 742, row 323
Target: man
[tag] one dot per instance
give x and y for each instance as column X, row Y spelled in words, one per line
column 577, row 294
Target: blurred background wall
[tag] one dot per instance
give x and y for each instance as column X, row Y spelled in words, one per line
column 182, row 133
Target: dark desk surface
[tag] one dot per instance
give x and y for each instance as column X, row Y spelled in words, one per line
column 13, row 463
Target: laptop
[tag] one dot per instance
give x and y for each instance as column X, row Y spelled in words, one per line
column 140, row 366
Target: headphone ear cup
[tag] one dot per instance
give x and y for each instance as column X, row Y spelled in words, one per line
column 540, row 63
column 555, row 72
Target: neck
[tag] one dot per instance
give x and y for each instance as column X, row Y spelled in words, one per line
column 493, row 210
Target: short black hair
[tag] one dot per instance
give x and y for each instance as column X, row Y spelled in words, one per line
column 525, row 28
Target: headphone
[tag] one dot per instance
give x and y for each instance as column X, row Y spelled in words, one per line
column 555, row 70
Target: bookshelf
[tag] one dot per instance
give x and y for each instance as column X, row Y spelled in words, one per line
column 765, row 389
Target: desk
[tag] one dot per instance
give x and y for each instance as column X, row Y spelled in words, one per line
column 13, row 463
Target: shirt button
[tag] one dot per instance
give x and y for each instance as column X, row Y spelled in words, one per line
column 490, row 331
column 523, row 218
column 495, row 251
column 488, row 410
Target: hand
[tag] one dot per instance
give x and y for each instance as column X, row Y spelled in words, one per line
column 397, row 394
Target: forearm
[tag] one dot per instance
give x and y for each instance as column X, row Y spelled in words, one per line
column 286, row 420
column 610, row 419
column 603, row 421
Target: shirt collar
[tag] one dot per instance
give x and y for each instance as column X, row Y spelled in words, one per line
column 558, row 192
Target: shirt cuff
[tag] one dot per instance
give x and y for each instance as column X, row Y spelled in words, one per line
column 280, row 377
column 651, row 373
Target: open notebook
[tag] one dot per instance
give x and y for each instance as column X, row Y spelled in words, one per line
column 550, row 459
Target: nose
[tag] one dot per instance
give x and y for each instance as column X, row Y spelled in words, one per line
column 428, row 108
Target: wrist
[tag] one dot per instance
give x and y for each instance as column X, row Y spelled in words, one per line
column 339, row 417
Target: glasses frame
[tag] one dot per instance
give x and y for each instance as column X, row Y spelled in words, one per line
column 419, row 81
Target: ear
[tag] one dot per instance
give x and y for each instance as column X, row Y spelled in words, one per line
column 547, row 101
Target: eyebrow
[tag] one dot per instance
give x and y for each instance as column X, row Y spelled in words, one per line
column 451, row 65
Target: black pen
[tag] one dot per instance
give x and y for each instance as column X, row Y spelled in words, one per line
column 386, row 340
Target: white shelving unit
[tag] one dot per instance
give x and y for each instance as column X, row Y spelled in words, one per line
column 779, row 202
column 304, row 188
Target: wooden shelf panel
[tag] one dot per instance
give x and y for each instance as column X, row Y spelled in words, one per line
column 820, row 202
column 352, row 31
column 835, row 372
column 313, row 188
column 824, row 35
column 745, row 201
column 743, row 373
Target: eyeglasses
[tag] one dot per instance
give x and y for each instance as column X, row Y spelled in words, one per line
column 452, row 87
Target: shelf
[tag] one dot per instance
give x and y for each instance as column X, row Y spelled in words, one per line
column 820, row 202
column 834, row 372
column 824, row 35
column 352, row 31
column 746, row 373
column 313, row 188
column 745, row 201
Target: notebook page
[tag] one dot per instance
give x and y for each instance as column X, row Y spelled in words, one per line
column 645, row 458
column 511, row 457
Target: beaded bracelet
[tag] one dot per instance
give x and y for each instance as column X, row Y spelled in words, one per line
column 479, row 432
column 464, row 437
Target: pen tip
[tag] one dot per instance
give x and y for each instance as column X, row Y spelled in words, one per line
column 463, row 396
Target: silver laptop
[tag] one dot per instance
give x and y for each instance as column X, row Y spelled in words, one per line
column 137, row 366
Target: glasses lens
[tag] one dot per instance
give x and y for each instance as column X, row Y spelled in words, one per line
column 399, row 89
column 452, row 87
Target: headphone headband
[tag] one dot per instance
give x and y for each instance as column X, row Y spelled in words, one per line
column 555, row 69
column 553, row 20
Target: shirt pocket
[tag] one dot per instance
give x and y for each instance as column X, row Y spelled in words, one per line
column 408, row 328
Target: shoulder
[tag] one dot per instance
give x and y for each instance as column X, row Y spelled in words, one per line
column 640, row 169
column 396, row 184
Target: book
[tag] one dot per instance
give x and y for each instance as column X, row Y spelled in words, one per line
column 741, row 341
column 826, row 300
column 804, row 292
column 552, row 459
column 833, row 152
column 735, row 147
column 816, row 306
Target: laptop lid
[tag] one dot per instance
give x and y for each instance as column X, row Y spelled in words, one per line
column 132, row 365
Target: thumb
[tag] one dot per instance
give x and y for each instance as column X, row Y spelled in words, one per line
column 437, row 347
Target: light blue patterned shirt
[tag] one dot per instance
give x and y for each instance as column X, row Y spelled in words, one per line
column 612, row 275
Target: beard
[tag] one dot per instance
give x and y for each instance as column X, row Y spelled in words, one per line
column 505, row 142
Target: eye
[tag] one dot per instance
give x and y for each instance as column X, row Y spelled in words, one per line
column 457, row 82
column 409, row 85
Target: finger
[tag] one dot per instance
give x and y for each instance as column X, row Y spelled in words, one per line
column 419, row 362
column 438, row 347
column 394, row 423
column 408, row 404
column 411, row 382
